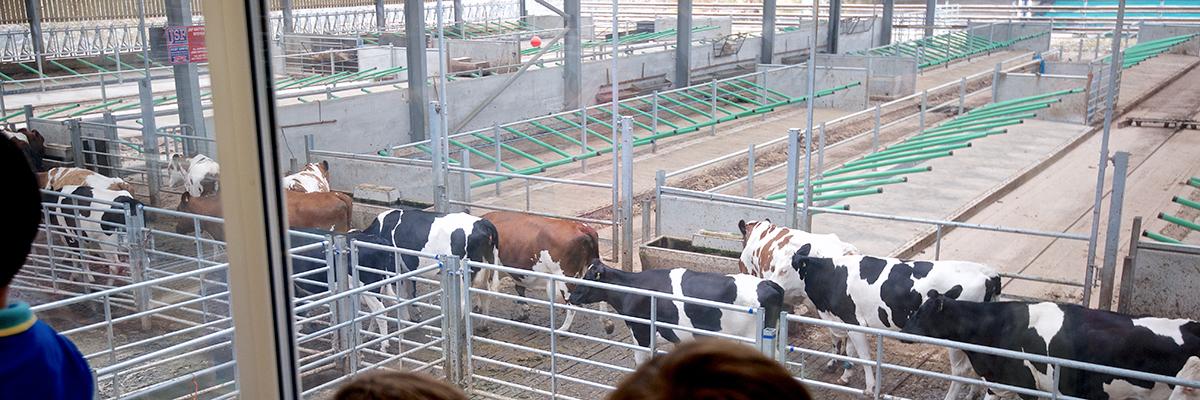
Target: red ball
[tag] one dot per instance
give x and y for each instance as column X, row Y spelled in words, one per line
column 536, row 41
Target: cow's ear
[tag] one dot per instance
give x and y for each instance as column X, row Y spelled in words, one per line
column 805, row 250
column 940, row 301
column 325, row 165
column 742, row 226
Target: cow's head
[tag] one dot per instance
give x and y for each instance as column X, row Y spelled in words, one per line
column 586, row 294
column 932, row 319
column 483, row 245
column 322, row 168
column 177, row 168
column 748, row 226
column 1190, row 371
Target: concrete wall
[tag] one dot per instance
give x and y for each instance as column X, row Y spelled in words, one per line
column 682, row 217
column 587, row 30
column 1163, row 282
column 495, row 52
column 1002, row 31
column 794, row 82
column 1067, row 68
column 1150, row 32
column 1072, row 109
column 857, row 34
column 415, row 183
column 888, row 77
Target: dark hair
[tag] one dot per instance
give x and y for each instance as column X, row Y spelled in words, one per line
column 710, row 369
column 394, row 385
column 22, row 206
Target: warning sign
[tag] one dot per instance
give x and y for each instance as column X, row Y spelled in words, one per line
column 185, row 44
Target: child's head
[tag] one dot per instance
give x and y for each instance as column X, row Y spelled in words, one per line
column 710, row 369
column 390, row 385
column 22, row 206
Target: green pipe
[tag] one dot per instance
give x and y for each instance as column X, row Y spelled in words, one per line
column 635, row 121
column 527, row 171
column 601, row 122
column 118, row 61
column 1058, row 93
column 670, row 111
column 856, row 185
column 753, row 85
column 6, row 77
column 983, row 120
column 555, row 132
column 1179, row 221
column 1186, row 202
column 514, row 150
column 485, row 156
column 301, row 81
column 545, row 145
column 647, row 115
column 983, row 127
column 576, row 125
column 693, row 109
column 90, row 64
column 1195, row 182
column 939, row 140
column 1158, row 237
column 10, row 116
column 871, row 175
column 95, row 107
column 739, row 96
column 884, row 156
column 68, row 69
column 31, row 69
column 53, row 112
column 884, row 163
column 719, row 98
column 705, row 102
column 327, row 78
column 846, row 194
column 970, row 126
column 1007, row 110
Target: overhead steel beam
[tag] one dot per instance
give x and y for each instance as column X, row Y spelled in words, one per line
column 418, row 98
column 289, row 24
column 458, row 14
column 835, row 16
column 885, row 33
column 187, row 81
column 380, row 15
column 33, row 11
column 767, row 54
column 683, row 43
column 551, row 7
column 573, row 63
column 508, row 82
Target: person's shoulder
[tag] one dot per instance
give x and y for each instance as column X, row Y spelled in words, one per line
column 56, row 361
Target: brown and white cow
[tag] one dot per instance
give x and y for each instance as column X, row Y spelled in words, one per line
column 59, row 177
column 328, row 210
column 546, row 245
column 312, row 179
column 199, row 175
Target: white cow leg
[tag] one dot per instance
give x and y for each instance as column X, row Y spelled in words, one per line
column 640, row 356
column 960, row 365
column 402, row 312
column 566, row 326
column 839, row 348
column 859, row 347
column 376, row 306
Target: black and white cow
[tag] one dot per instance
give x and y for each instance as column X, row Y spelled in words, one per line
column 884, row 292
column 460, row 234
column 741, row 290
column 92, row 217
column 311, row 278
column 1155, row 345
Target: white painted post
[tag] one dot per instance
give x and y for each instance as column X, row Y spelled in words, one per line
column 499, row 158
column 875, row 131
column 750, row 171
column 627, row 193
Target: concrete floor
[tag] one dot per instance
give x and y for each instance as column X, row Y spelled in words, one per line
column 1060, row 197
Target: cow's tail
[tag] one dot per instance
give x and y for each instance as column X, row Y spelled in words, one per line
column 591, row 241
column 992, row 288
column 349, row 209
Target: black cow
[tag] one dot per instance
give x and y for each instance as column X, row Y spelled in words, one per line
column 92, row 217
column 1155, row 345
column 883, row 292
column 742, row 290
column 460, row 234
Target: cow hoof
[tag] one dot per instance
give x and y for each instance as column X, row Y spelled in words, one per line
column 844, row 381
column 847, row 365
column 484, row 329
column 831, row 366
column 609, row 327
column 522, row 317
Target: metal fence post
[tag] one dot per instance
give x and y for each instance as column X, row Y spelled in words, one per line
column 1112, row 238
column 453, row 319
column 439, row 170
column 713, row 128
column 660, row 179
column 338, row 258
column 793, row 155
column 466, row 178
column 150, row 139
column 583, row 138
column 76, row 141
column 962, row 95
column 924, row 104
column 646, row 219
column 112, row 145
column 654, row 121
column 500, row 161
column 996, row 82
column 875, row 131
column 750, row 171
column 310, row 144
column 627, row 193
column 135, row 238
column 821, row 150
column 807, row 221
